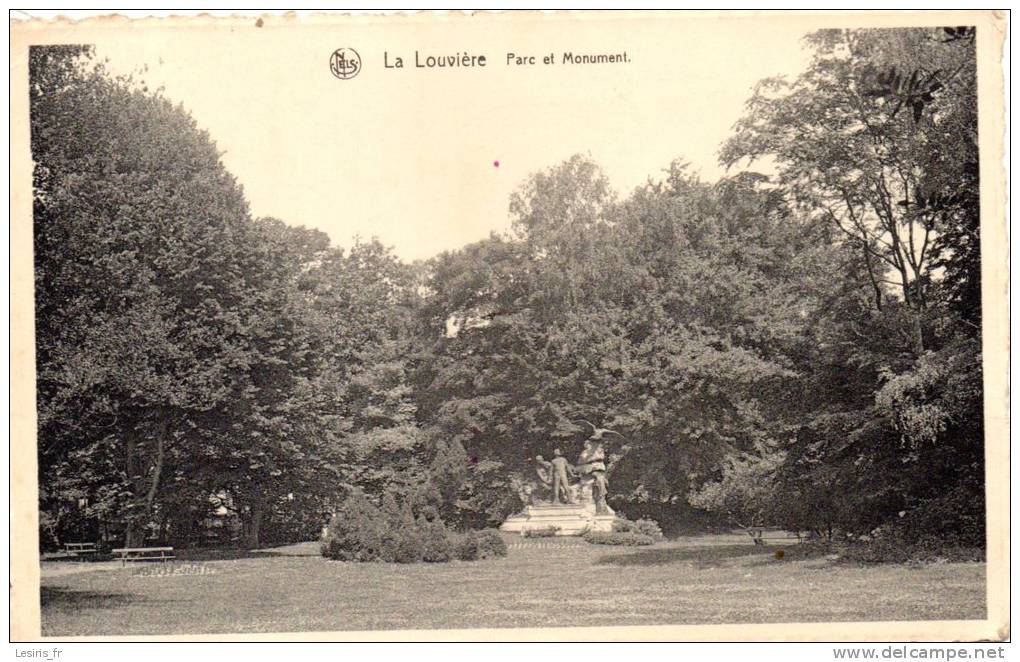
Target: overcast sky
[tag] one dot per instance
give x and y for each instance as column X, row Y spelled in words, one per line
column 409, row 155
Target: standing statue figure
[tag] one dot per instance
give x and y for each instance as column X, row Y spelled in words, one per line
column 592, row 463
column 561, row 472
column 544, row 469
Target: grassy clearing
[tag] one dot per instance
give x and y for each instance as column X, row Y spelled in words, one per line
column 565, row 583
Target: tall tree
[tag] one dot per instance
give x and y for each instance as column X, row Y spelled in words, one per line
column 670, row 316
column 169, row 336
column 878, row 141
column 869, row 139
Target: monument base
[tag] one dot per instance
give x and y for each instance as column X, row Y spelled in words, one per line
column 570, row 519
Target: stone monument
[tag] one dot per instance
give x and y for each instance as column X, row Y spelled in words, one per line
column 574, row 509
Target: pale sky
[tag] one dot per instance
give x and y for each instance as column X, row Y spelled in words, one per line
column 408, row 155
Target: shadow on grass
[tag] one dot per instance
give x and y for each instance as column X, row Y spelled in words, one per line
column 702, row 557
column 217, row 554
column 51, row 596
column 234, row 553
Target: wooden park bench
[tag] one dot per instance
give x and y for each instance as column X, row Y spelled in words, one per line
column 126, row 554
column 762, row 536
column 81, row 549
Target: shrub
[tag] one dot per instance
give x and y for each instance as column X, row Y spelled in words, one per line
column 466, row 547
column 360, row 531
column 618, row 538
column 646, row 527
column 478, row 545
column 490, row 544
column 623, row 525
column 745, row 492
column 402, row 545
column 541, row 532
column 676, row 517
column 356, row 531
column 48, row 536
column 437, row 543
column 957, row 517
column 886, row 546
column 897, row 550
column 650, row 528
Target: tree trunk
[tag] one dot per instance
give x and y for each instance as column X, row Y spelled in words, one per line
column 919, row 306
column 871, row 276
column 254, row 526
column 133, row 532
column 254, row 521
column 918, row 334
column 157, row 469
column 140, row 511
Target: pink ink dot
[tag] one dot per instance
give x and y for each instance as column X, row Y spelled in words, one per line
column 495, row 164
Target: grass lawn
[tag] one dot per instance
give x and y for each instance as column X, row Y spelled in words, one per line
column 540, row 583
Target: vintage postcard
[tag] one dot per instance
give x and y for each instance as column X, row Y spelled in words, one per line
column 515, row 326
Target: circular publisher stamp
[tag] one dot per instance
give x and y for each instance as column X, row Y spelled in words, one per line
column 345, row 63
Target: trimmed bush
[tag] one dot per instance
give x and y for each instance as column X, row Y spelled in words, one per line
column 650, row 528
column 645, row 527
column 402, row 545
column 437, row 543
column 466, row 547
column 478, row 545
column 356, row 532
column 360, row 531
column 626, row 538
column 490, row 544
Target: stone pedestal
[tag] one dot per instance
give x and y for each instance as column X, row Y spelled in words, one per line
column 571, row 519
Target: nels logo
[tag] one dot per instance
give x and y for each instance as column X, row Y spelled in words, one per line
column 345, row 63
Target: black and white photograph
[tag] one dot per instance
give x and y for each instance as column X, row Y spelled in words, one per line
column 473, row 326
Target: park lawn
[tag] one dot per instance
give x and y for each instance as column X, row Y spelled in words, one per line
column 540, row 583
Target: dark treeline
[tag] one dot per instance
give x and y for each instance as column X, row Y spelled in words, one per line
column 800, row 350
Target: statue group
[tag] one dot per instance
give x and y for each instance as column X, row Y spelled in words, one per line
column 589, row 471
column 568, row 498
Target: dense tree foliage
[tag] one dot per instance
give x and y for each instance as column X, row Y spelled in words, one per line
column 878, row 140
column 190, row 358
column 675, row 317
column 800, row 349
